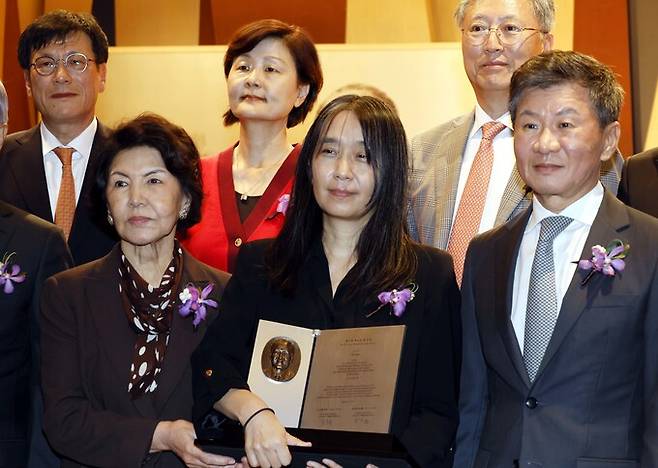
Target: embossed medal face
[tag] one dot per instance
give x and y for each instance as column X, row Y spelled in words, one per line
column 280, row 359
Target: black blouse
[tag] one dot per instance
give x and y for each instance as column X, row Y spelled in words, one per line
column 425, row 412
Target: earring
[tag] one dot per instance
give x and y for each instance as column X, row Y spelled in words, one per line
column 184, row 211
column 110, row 219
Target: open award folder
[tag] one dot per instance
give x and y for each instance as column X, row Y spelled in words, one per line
column 333, row 388
column 342, row 379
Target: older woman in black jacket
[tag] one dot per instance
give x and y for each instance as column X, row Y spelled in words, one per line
column 118, row 332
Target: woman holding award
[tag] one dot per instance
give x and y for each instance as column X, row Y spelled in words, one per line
column 343, row 259
column 273, row 77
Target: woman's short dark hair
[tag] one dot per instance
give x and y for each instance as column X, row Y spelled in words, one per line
column 385, row 257
column 299, row 45
column 180, row 156
column 57, row 25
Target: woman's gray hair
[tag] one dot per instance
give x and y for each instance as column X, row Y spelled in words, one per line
column 544, row 12
column 4, row 104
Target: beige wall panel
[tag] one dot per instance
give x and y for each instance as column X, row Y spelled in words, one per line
column 377, row 21
column 442, row 22
column 650, row 138
column 186, row 85
column 165, row 22
column 563, row 30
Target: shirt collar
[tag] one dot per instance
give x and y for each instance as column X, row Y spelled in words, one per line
column 481, row 118
column 81, row 144
column 583, row 210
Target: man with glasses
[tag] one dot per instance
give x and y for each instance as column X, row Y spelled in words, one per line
column 463, row 175
column 49, row 170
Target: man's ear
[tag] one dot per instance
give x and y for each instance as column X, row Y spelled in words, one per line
column 3, row 134
column 102, row 73
column 611, row 134
column 28, row 84
column 547, row 41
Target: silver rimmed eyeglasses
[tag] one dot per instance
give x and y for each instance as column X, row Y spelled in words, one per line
column 507, row 34
column 75, row 62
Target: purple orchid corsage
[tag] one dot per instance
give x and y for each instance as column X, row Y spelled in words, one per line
column 281, row 207
column 10, row 273
column 605, row 260
column 397, row 299
column 195, row 300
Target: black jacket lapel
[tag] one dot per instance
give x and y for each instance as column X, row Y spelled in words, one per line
column 115, row 335
column 7, row 228
column 30, row 176
column 184, row 338
column 506, row 254
column 85, row 217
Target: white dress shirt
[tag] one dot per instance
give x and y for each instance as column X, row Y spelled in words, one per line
column 53, row 166
column 567, row 248
column 503, row 164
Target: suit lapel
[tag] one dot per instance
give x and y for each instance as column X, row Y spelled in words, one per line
column 7, row 229
column 27, row 166
column 114, row 333
column 183, row 338
column 514, row 198
column 449, row 159
column 611, row 219
column 506, row 253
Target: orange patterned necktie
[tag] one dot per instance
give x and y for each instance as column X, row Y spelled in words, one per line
column 65, row 210
column 471, row 206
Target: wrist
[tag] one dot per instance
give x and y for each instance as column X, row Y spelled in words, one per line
column 256, row 413
column 160, row 441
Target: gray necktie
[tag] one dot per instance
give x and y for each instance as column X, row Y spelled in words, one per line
column 541, row 311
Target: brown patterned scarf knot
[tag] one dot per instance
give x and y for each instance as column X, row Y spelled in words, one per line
column 149, row 311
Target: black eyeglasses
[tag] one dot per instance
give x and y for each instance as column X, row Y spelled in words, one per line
column 75, row 62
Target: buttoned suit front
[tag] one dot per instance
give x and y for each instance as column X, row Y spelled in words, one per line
column 23, row 184
column 435, row 164
column 593, row 403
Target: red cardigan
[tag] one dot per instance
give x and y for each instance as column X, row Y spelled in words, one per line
column 217, row 238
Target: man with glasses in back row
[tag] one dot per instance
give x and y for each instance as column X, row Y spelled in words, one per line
column 463, row 176
column 49, row 170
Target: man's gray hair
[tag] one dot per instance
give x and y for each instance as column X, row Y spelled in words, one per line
column 544, row 12
column 4, row 104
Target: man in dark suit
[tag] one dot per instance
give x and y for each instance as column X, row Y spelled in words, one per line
column 639, row 182
column 49, row 170
column 560, row 365
column 31, row 250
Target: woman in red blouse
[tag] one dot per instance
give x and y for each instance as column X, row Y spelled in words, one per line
column 273, row 77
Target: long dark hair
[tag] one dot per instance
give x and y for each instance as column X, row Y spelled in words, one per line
column 385, row 257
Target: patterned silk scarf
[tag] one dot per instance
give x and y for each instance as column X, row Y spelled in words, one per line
column 149, row 311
